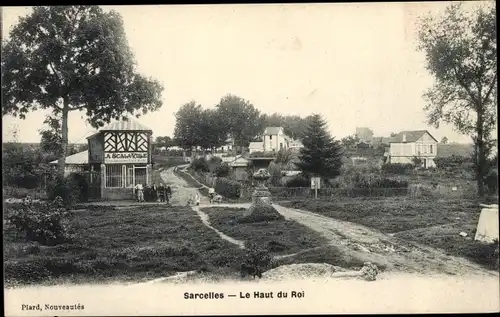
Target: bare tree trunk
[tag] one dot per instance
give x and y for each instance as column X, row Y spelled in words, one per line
column 64, row 142
column 480, row 153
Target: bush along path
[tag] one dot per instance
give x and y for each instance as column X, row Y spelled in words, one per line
column 358, row 241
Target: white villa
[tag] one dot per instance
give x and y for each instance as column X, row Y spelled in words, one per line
column 275, row 139
column 409, row 144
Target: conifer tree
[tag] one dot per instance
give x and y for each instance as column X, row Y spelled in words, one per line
column 321, row 155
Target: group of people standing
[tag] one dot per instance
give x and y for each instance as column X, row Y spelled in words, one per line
column 160, row 193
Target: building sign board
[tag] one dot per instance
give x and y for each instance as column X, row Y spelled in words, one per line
column 126, row 157
column 315, row 182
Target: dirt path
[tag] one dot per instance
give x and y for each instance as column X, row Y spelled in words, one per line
column 181, row 191
column 371, row 245
column 356, row 240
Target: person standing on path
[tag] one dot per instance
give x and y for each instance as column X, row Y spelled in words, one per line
column 197, row 199
column 140, row 192
column 154, row 193
column 168, row 193
column 161, row 192
column 211, row 194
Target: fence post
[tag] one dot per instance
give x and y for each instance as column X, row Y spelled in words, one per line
column 103, row 179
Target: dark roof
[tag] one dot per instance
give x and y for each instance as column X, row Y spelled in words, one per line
column 272, row 130
column 381, row 140
column 411, row 136
column 93, row 135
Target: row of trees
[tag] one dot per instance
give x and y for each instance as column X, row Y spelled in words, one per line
column 232, row 118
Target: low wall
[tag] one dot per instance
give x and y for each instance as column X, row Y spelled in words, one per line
column 118, row 193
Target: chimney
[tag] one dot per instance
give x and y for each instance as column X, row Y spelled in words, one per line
column 404, row 137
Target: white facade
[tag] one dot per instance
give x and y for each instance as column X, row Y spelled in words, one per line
column 256, row 147
column 414, row 144
column 275, row 139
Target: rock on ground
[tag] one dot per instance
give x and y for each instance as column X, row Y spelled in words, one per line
column 301, row 271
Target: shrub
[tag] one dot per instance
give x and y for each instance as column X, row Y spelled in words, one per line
column 297, row 181
column 43, row 222
column 222, row 170
column 67, row 189
column 228, row 188
column 256, row 261
column 397, row 168
column 452, row 162
column 260, row 213
column 200, row 165
column 417, row 161
column 81, row 183
column 275, row 173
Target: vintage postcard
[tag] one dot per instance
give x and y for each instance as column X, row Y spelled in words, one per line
column 250, row 159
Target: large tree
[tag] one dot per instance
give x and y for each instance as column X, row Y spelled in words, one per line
column 461, row 54
column 187, row 124
column 73, row 58
column 321, row 155
column 241, row 119
column 212, row 130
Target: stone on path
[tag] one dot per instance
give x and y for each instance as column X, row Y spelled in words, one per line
column 487, row 227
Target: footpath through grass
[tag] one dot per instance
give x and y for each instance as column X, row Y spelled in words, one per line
column 126, row 244
column 278, row 236
column 437, row 223
column 296, row 242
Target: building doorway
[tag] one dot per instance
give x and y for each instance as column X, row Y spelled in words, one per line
column 136, row 175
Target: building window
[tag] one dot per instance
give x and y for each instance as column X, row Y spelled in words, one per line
column 114, row 176
column 430, row 149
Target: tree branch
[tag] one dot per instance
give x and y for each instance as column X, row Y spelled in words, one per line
column 78, row 108
column 461, row 82
column 491, row 87
column 55, row 73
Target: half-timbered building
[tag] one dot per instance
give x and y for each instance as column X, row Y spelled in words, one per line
column 121, row 154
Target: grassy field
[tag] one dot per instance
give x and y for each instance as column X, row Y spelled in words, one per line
column 132, row 244
column 436, row 223
column 278, row 237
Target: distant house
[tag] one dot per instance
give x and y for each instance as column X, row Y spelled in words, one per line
column 380, row 141
column 364, row 134
column 228, row 146
column 275, row 139
column 256, row 147
column 409, row 144
column 239, row 167
column 295, row 144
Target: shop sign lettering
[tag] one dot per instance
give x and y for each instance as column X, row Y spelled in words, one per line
column 126, row 157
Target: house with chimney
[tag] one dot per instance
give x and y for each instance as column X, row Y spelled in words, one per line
column 409, row 144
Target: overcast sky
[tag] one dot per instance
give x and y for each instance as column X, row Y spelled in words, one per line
column 356, row 64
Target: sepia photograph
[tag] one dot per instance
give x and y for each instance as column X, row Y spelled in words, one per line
column 328, row 158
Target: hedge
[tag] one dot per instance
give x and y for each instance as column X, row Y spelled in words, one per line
column 228, row 188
